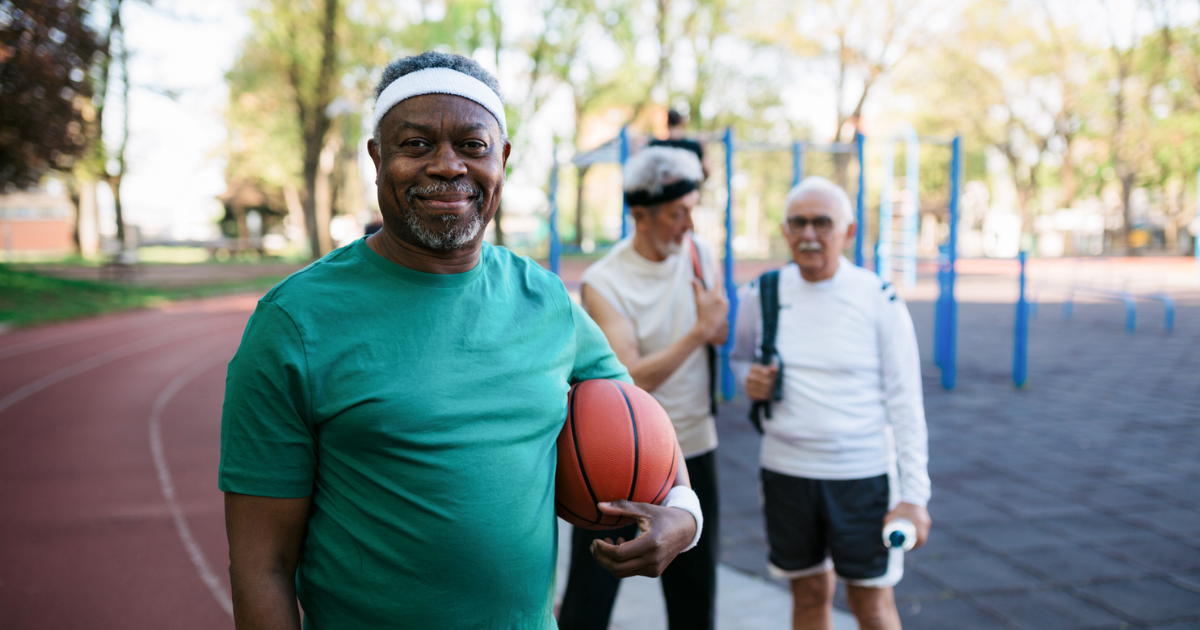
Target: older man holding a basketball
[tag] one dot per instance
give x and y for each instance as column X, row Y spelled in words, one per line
column 388, row 437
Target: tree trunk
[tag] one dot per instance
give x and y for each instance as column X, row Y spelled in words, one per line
column 314, row 125
column 580, row 174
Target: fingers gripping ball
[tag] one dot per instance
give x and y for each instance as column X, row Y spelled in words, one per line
column 617, row 443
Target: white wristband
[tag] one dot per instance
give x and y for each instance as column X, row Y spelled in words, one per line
column 684, row 498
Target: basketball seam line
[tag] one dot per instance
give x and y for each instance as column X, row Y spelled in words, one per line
column 579, row 458
column 636, row 443
column 674, row 452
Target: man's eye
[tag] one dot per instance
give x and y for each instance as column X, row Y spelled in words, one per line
column 474, row 145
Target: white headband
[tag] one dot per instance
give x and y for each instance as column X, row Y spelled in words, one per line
column 439, row 81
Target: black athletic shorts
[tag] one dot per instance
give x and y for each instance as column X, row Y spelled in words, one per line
column 816, row 524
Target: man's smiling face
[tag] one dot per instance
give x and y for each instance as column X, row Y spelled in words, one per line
column 439, row 168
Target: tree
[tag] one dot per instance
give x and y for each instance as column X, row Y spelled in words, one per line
column 46, row 50
column 861, row 42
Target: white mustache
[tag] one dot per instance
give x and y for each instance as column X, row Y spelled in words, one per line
column 809, row 246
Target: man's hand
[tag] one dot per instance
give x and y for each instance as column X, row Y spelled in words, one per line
column 712, row 312
column 919, row 517
column 760, row 383
column 664, row 533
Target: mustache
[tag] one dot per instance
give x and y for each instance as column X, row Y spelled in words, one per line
column 809, row 246
column 441, row 188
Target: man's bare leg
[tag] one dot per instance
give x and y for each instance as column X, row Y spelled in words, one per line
column 874, row 608
column 812, row 602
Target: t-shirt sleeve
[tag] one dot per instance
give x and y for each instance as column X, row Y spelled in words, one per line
column 594, row 358
column 267, row 441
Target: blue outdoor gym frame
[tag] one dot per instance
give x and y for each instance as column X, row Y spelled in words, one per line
column 946, row 311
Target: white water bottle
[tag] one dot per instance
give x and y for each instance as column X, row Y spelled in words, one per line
column 900, row 533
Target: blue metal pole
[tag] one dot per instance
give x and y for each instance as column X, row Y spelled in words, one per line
column 861, row 215
column 555, row 244
column 1021, row 343
column 883, row 247
column 912, row 185
column 727, row 381
column 797, row 163
column 624, row 157
column 950, row 318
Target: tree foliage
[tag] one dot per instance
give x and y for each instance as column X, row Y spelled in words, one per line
column 46, row 50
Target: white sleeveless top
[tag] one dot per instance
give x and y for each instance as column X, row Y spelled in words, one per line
column 657, row 297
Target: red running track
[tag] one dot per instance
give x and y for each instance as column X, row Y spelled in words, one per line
column 110, row 515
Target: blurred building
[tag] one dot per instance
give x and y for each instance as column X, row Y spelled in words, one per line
column 36, row 222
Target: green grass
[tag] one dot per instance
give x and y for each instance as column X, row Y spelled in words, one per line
column 29, row 298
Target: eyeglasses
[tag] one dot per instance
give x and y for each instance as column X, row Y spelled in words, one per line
column 822, row 225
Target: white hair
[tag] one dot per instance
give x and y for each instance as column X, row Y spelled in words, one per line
column 817, row 184
column 652, row 168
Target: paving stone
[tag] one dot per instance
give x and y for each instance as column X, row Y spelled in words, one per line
column 1157, row 553
column 946, row 614
column 977, row 574
column 1118, row 497
column 1008, row 537
column 1186, row 625
column 1184, row 490
column 1049, row 610
column 1145, row 601
column 1180, row 521
column 1075, row 565
column 1190, row 581
column 915, row 586
column 1094, row 527
column 943, row 543
column 960, row 511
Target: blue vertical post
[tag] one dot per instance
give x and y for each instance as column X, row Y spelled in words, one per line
column 555, row 244
column 1021, row 343
column 797, row 163
column 949, row 323
column 727, row 384
column 861, row 214
column 624, row 155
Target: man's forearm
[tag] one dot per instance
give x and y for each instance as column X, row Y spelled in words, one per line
column 654, row 369
column 265, row 601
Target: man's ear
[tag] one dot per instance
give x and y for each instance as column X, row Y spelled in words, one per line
column 639, row 213
column 507, row 150
column 373, row 149
column 851, row 231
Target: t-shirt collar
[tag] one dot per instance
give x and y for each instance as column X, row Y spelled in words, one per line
column 421, row 278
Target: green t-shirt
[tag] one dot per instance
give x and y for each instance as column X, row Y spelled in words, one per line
column 420, row 412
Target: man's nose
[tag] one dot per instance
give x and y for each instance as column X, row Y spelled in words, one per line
column 445, row 163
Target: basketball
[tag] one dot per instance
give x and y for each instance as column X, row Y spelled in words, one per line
column 617, row 443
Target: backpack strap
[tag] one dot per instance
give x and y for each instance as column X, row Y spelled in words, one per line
column 768, row 296
column 698, row 270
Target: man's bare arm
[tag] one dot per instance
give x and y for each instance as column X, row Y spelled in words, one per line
column 650, row 371
column 266, row 536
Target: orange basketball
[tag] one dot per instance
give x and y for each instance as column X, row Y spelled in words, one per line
column 617, row 443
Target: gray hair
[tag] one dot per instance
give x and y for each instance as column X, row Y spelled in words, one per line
column 652, row 168
column 434, row 59
column 816, row 184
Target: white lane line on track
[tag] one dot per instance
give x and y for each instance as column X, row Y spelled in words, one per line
column 96, row 361
column 224, row 600
column 72, row 336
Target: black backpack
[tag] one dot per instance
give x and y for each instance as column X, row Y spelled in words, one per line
column 768, row 297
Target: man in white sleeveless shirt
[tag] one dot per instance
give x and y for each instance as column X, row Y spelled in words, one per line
column 657, row 297
column 851, row 408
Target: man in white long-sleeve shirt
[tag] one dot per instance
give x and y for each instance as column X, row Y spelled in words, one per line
column 851, row 410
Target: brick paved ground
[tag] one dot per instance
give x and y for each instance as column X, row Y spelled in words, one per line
column 1074, row 503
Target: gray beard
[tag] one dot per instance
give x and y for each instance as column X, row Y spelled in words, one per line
column 451, row 237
